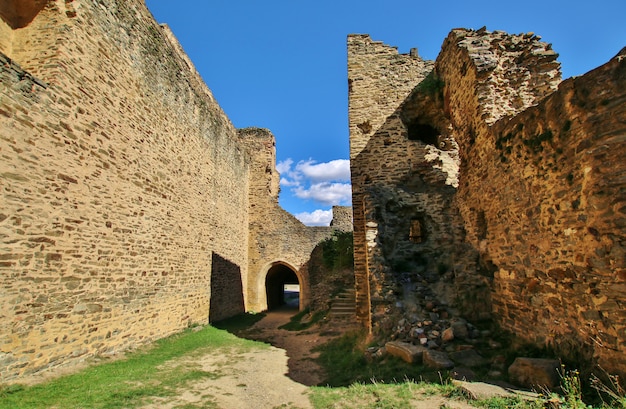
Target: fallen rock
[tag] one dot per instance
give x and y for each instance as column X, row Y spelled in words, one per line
column 407, row 352
column 447, row 335
column 469, row 358
column 481, row 390
column 459, row 329
column 535, row 373
column 437, row 360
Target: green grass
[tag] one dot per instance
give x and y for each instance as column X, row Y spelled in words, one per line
column 345, row 363
column 377, row 395
column 135, row 380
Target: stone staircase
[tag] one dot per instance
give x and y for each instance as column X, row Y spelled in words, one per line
column 343, row 306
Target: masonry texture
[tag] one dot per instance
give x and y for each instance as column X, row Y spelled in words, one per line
column 128, row 207
column 483, row 181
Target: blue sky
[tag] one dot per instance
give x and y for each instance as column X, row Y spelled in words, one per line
column 281, row 65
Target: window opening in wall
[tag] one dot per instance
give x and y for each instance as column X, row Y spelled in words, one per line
column 416, row 231
column 418, row 131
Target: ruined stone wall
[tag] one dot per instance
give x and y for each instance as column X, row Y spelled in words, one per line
column 379, row 80
column 276, row 237
column 342, row 218
column 537, row 203
column 490, row 75
column 549, row 184
column 120, row 177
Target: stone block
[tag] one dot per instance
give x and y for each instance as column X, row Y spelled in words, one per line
column 535, row 373
column 437, row 360
column 407, row 352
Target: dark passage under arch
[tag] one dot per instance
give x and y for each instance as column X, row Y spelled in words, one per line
column 278, row 276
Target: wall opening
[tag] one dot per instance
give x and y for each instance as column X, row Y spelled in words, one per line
column 418, row 131
column 20, row 13
column 282, row 287
column 416, row 231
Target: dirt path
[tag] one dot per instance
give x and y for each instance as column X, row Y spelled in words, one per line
column 252, row 380
column 297, row 345
column 268, row 378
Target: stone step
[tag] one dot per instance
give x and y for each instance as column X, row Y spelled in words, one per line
column 343, row 302
column 343, row 306
column 344, row 309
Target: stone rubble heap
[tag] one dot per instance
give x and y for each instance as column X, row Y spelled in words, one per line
column 437, row 337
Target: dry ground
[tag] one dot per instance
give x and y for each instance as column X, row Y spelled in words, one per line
column 269, row 378
column 277, row 377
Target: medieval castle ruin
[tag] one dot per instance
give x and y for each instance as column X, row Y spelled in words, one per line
column 482, row 181
column 132, row 208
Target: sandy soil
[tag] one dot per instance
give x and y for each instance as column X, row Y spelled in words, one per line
column 271, row 378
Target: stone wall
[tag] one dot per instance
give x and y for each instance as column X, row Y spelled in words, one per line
column 379, row 80
column 342, row 218
column 276, row 237
column 226, row 289
column 486, row 188
column 121, row 180
column 554, row 218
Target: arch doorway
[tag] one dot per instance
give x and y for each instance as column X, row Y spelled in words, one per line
column 282, row 287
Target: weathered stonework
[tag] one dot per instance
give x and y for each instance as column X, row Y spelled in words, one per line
column 277, row 240
column 483, row 185
column 129, row 205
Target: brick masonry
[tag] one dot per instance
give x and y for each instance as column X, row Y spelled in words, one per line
column 129, row 205
column 494, row 183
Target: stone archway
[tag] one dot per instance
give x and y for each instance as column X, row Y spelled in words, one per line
column 274, row 283
column 277, row 278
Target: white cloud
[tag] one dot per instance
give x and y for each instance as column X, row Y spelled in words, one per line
column 335, row 170
column 288, row 182
column 326, row 193
column 284, row 166
column 326, row 183
column 316, row 218
column 288, row 177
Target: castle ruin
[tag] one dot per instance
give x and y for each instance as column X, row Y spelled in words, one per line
column 131, row 207
column 483, row 182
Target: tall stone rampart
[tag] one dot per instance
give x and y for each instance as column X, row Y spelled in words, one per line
column 123, row 186
column 491, row 190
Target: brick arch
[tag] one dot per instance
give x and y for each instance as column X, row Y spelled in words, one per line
column 262, row 278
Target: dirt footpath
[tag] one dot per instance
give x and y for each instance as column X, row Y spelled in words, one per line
column 268, row 378
column 297, row 345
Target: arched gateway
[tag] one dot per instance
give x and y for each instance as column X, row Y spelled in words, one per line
column 281, row 281
column 280, row 246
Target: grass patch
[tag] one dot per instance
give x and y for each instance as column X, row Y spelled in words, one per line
column 132, row 381
column 296, row 324
column 378, row 395
column 345, row 363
